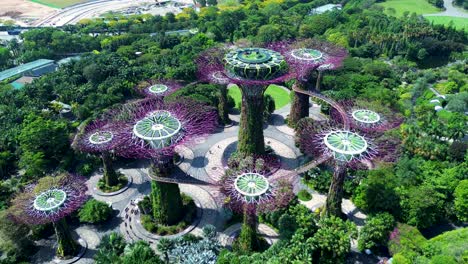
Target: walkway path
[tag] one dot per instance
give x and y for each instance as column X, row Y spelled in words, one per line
column 451, row 10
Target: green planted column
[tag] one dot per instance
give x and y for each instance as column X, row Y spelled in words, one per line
column 66, row 246
column 299, row 106
column 335, row 193
column 111, row 177
column 248, row 237
column 165, row 197
column 251, row 140
column 223, row 109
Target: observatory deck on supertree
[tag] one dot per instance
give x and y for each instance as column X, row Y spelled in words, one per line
column 255, row 63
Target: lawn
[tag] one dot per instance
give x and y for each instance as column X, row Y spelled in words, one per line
column 58, row 3
column 280, row 95
column 458, row 22
column 416, row 6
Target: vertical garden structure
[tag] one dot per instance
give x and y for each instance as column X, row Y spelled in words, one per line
column 152, row 129
column 50, row 200
column 252, row 69
column 343, row 147
column 157, row 88
column 248, row 190
column 209, row 70
column 101, row 137
column 306, row 57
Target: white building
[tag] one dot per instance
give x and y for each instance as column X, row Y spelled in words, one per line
column 325, row 8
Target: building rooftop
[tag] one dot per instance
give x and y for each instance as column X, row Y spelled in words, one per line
column 325, row 8
column 21, row 69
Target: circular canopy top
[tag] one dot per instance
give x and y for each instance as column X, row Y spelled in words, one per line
column 101, row 137
column 251, row 184
column 158, row 88
column 345, row 144
column 159, row 125
column 255, row 63
column 50, row 200
column 307, row 54
column 366, row 116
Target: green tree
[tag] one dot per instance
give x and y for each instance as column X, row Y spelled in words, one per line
column 376, row 231
column 461, row 200
column 94, row 211
column 333, row 239
column 110, row 249
column 140, row 252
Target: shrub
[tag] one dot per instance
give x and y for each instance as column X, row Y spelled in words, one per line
column 376, row 231
column 304, row 195
column 443, row 259
column 94, row 211
column 407, row 240
column 287, row 226
column 319, row 179
column 461, row 200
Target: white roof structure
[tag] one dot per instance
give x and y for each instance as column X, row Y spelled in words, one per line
column 325, row 8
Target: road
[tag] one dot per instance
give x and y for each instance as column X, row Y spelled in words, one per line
column 73, row 14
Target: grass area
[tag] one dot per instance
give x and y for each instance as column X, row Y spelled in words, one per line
column 413, row 6
column 58, row 3
column 458, row 22
column 280, row 95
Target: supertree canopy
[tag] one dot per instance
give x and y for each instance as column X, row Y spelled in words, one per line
column 101, row 137
column 50, row 200
column 306, row 57
column 252, row 69
column 343, row 147
column 249, row 189
column 157, row 88
column 369, row 117
column 152, row 129
column 255, row 64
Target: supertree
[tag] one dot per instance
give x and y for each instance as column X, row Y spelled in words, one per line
column 157, row 88
column 252, row 69
column 50, row 200
column 343, row 148
column 369, row 117
column 152, row 129
column 209, row 70
column 248, row 190
column 307, row 58
column 101, row 137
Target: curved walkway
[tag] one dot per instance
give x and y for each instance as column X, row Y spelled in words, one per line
column 227, row 237
column 208, row 213
column 333, row 103
column 450, row 11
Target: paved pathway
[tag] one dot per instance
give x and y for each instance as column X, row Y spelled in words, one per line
column 226, row 238
column 451, row 10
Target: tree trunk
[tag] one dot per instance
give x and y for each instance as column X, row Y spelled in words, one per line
column 335, row 193
column 67, row 247
column 319, row 81
column 248, row 239
column 223, row 109
column 111, row 177
column 299, row 106
column 251, row 140
column 167, row 203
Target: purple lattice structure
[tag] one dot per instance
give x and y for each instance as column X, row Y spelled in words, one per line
column 100, row 136
column 157, row 88
column 211, row 68
column 33, row 207
column 266, row 195
column 367, row 119
column 347, row 147
column 304, row 56
column 195, row 119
